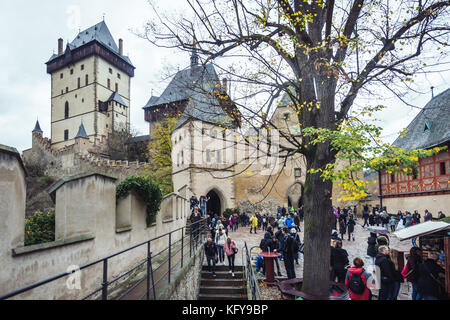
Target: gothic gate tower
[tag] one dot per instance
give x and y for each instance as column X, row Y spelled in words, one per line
column 90, row 84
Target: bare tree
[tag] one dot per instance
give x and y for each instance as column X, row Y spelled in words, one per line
column 322, row 55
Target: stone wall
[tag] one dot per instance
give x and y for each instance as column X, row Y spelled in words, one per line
column 87, row 229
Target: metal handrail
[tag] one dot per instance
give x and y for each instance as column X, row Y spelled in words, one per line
column 200, row 227
column 251, row 278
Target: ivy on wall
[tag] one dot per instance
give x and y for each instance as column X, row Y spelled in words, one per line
column 146, row 190
column 40, row 228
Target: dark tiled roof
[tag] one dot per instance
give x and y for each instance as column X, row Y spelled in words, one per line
column 37, row 127
column 82, row 133
column 186, row 83
column 138, row 139
column 431, row 127
column 151, row 102
column 99, row 33
column 117, row 98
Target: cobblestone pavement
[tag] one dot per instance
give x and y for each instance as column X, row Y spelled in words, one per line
column 355, row 249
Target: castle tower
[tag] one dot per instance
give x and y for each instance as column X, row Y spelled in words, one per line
column 90, row 84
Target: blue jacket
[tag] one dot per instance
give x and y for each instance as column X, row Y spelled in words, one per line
column 289, row 222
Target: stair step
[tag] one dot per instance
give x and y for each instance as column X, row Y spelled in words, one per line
column 225, row 268
column 204, row 296
column 222, row 282
column 222, row 275
column 223, row 290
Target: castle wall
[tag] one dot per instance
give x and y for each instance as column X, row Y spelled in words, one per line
column 87, row 229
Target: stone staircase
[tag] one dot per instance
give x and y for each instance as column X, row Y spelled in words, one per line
column 223, row 286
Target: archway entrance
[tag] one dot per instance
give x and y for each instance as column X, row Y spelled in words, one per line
column 295, row 195
column 214, row 205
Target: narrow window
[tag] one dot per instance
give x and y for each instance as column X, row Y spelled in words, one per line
column 79, row 83
column 61, row 75
column 415, row 173
column 87, row 79
column 208, row 156
column 442, row 168
column 110, row 71
column 82, row 67
column 66, row 110
column 117, row 87
column 71, row 71
column 67, row 89
column 66, row 135
column 392, row 178
column 109, row 84
column 118, row 75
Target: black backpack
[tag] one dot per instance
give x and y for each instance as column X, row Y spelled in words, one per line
column 356, row 283
column 263, row 244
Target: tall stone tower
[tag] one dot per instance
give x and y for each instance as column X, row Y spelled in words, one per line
column 90, row 84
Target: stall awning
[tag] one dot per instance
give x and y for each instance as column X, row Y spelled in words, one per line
column 421, row 229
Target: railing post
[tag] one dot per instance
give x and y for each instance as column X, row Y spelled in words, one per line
column 105, row 280
column 149, row 253
column 170, row 252
column 182, row 245
column 190, row 242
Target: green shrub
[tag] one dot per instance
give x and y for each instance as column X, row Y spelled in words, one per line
column 228, row 212
column 146, row 190
column 40, row 228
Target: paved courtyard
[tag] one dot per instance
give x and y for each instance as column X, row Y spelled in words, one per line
column 355, row 249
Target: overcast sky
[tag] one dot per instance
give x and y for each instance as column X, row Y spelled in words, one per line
column 29, row 31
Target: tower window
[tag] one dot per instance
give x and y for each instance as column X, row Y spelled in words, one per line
column 109, row 84
column 87, row 79
column 66, row 135
column 110, row 71
column 71, row 71
column 79, row 83
column 67, row 89
column 61, row 75
column 392, row 178
column 66, row 110
column 118, row 75
column 297, row 172
column 82, row 67
column 117, row 87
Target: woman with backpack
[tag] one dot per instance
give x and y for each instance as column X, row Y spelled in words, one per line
column 411, row 270
column 356, row 281
column 231, row 250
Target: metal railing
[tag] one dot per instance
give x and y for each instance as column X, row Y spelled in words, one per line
column 177, row 251
column 250, row 275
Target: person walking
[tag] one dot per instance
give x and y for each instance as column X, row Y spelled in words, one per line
column 231, row 250
column 203, row 201
column 430, row 286
column 411, row 270
column 338, row 262
column 387, row 273
column 356, row 281
column 298, row 243
column 392, row 222
column 235, row 221
column 372, row 219
column 195, row 218
column 366, row 217
column 281, row 222
column 372, row 247
column 288, row 248
column 351, row 228
column 220, row 240
column 253, row 223
column 408, row 219
column 265, row 222
column 427, row 216
column 211, row 255
column 342, row 227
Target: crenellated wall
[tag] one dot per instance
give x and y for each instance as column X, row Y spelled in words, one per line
column 90, row 224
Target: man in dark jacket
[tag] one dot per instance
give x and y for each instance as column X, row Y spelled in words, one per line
column 211, row 255
column 387, row 273
column 427, row 216
column 372, row 247
column 288, row 253
column 429, row 285
column 195, row 218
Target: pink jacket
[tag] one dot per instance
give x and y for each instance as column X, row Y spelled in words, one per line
column 229, row 248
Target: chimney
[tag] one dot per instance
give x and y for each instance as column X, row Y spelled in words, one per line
column 225, row 85
column 60, row 46
column 121, row 47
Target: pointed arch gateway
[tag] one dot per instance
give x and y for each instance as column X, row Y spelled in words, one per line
column 295, row 195
column 216, row 203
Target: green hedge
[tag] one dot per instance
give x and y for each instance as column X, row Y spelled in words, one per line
column 40, row 228
column 146, row 190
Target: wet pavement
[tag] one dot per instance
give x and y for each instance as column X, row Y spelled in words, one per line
column 357, row 248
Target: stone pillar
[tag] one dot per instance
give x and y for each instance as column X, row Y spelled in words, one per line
column 84, row 204
column 12, row 200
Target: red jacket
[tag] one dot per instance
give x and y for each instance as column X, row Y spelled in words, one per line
column 365, row 295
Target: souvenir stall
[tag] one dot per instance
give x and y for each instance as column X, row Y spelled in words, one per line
column 431, row 236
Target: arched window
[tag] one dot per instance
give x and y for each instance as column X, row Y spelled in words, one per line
column 66, row 110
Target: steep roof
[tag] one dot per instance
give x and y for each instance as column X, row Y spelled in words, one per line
column 431, row 127
column 117, row 98
column 37, row 127
column 99, row 33
column 186, row 83
column 81, row 133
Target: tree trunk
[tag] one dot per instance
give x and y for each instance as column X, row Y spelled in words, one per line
column 318, row 226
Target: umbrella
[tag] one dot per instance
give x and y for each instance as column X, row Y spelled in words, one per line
column 379, row 230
